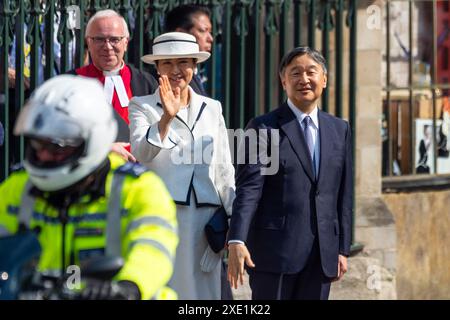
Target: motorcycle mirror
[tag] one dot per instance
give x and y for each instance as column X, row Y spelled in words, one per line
column 19, row 254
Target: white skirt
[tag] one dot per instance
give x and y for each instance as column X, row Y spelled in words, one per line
column 197, row 268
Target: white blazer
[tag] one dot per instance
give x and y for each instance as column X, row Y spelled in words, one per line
column 194, row 154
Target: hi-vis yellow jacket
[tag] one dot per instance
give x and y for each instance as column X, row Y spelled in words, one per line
column 135, row 219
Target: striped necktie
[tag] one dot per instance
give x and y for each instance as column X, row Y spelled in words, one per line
column 309, row 139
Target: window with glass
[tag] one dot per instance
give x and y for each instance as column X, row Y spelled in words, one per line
column 416, row 89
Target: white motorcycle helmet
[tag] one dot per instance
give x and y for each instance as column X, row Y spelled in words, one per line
column 70, row 111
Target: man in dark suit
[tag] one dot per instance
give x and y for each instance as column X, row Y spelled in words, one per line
column 293, row 228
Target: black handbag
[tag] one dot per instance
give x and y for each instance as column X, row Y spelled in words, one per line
column 216, row 230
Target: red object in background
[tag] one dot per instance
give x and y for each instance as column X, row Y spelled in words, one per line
column 92, row 72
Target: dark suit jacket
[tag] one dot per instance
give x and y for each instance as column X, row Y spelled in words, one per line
column 279, row 216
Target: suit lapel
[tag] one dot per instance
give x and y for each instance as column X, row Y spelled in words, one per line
column 195, row 111
column 326, row 142
column 290, row 126
column 177, row 118
column 177, row 124
column 196, row 108
column 135, row 83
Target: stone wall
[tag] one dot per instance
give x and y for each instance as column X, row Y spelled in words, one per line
column 423, row 243
column 375, row 226
column 375, row 229
column 368, row 107
column 365, row 279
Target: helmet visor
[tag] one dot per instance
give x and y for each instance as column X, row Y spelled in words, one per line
column 47, row 153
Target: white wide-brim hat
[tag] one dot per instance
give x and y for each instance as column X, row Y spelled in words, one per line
column 174, row 45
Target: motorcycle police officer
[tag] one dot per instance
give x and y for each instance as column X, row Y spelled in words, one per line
column 84, row 201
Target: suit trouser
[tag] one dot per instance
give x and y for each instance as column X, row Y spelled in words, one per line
column 308, row 284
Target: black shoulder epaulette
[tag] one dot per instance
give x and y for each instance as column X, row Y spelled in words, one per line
column 133, row 169
column 17, row 167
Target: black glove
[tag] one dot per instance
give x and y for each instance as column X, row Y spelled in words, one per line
column 110, row 290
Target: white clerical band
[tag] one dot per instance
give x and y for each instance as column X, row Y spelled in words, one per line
column 116, row 82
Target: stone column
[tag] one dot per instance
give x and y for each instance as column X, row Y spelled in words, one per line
column 375, row 226
column 372, row 272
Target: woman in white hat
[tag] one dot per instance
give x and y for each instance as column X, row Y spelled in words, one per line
column 182, row 137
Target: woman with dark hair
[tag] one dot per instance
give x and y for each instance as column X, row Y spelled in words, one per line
column 182, row 136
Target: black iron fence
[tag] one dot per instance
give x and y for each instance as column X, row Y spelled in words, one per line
column 42, row 38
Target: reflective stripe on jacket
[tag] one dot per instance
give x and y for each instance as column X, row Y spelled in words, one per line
column 148, row 227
